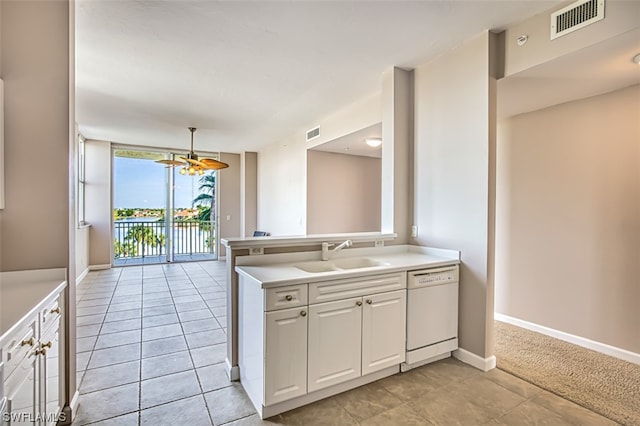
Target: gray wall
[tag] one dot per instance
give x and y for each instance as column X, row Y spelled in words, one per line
column 568, row 218
column 453, row 194
column 229, row 187
column 343, row 193
column 249, row 193
column 35, row 68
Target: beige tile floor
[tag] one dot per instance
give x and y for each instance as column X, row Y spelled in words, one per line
column 151, row 346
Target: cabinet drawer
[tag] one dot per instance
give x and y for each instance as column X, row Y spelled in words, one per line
column 50, row 314
column 327, row 291
column 19, row 346
column 286, row 297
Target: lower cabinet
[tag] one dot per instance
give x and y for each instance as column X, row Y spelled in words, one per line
column 32, row 386
column 354, row 337
column 335, row 353
column 285, row 355
column 300, row 343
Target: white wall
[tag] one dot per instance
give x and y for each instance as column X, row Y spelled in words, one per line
column 82, row 251
column 282, row 186
column 282, row 167
column 568, row 218
column 343, row 193
column 454, row 108
column 98, row 211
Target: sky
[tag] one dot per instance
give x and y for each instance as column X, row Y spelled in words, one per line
column 141, row 184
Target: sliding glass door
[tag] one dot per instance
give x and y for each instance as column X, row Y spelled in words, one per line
column 160, row 215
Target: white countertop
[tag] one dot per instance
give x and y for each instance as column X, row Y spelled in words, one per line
column 21, row 293
column 269, row 272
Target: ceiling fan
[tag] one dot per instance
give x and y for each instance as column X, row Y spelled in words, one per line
column 191, row 164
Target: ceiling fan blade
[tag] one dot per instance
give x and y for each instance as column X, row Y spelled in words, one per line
column 212, row 164
column 171, row 163
column 196, row 162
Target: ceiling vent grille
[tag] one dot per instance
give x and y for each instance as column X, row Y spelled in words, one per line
column 575, row 16
column 313, row 133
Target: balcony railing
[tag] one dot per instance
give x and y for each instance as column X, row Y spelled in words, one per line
column 140, row 239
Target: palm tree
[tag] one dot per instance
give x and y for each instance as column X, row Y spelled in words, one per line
column 207, row 197
column 142, row 236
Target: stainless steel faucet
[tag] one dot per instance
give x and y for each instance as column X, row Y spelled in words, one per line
column 326, row 253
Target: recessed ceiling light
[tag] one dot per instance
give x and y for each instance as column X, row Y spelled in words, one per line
column 636, row 59
column 373, row 142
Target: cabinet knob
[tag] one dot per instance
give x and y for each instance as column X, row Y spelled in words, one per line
column 303, row 313
column 288, row 297
column 42, row 351
column 46, row 345
column 30, row 341
column 55, row 311
column 369, row 301
column 359, row 303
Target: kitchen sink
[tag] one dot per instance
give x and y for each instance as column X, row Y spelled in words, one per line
column 338, row 264
column 356, row 262
column 317, row 266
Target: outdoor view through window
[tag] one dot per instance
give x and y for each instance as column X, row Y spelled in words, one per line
column 160, row 215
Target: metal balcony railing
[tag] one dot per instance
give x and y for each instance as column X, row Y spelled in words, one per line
column 140, row 239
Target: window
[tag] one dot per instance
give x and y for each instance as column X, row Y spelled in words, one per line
column 81, row 177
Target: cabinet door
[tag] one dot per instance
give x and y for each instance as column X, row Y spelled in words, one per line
column 286, row 354
column 50, row 373
column 22, row 389
column 383, row 330
column 335, row 330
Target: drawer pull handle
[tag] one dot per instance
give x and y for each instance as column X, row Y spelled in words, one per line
column 303, row 313
column 30, row 341
column 288, row 297
column 42, row 351
column 46, row 345
column 55, row 311
column 359, row 303
column 369, row 301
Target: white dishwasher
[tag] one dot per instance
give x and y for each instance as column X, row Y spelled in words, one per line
column 432, row 315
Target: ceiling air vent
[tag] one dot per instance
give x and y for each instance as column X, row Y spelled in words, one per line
column 575, row 16
column 313, row 133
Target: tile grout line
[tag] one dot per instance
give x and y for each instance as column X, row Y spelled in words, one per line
column 201, row 394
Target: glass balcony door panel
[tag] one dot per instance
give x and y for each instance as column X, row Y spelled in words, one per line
column 139, row 207
column 193, row 235
column 161, row 215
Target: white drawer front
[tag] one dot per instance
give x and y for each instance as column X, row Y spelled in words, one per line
column 327, row 291
column 286, row 297
column 20, row 345
column 50, row 315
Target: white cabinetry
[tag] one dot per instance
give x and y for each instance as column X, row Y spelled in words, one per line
column 354, row 337
column 312, row 341
column 29, row 357
column 335, row 330
column 286, row 354
column 383, row 330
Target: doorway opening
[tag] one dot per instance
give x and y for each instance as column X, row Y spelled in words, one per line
column 160, row 215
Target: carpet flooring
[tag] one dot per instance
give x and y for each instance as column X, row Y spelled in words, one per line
column 604, row 384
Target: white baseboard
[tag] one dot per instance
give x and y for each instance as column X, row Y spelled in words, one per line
column 81, row 276
column 233, row 372
column 484, row 364
column 99, row 267
column 613, row 351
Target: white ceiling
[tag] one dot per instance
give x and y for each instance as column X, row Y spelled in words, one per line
column 599, row 68
column 247, row 74
column 355, row 143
